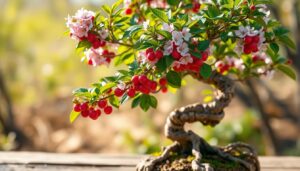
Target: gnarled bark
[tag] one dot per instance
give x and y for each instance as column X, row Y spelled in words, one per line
column 186, row 142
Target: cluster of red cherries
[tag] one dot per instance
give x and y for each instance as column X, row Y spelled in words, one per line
column 140, row 83
column 154, row 56
column 251, row 44
column 194, row 66
column 93, row 112
column 224, row 67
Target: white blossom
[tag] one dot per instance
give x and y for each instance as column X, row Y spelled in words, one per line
column 168, row 47
column 186, row 34
column 177, row 38
column 183, row 49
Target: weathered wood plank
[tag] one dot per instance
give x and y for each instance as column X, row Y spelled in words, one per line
column 28, row 161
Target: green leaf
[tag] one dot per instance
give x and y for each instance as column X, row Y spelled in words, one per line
column 73, row 116
column 131, row 30
column 107, row 87
column 116, row 4
column 80, row 90
column 280, row 31
column 287, row 41
column 256, row 2
column 173, row 2
column 213, row 11
column 203, row 45
column 174, row 79
column 106, row 8
column 287, row 70
column 160, row 14
column 164, row 63
column 205, row 71
column 165, row 34
column 274, row 47
column 153, row 101
column 124, row 98
column 145, row 102
column 136, row 101
column 196, row 54
column 114, row 101
column 84, row 44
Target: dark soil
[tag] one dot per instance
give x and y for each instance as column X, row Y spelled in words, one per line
column 179, row 163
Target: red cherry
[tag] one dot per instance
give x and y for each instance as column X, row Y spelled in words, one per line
column 96, row 44
column 102, row 43
column 176, row 54
column 247, row 49
column 131, row 92
column 143, row 79
column 85, row 113
column 153, row 86
column 92, row 37
column 204, row 56
column 90, row 62
column 94, row 114
column 144, row 90
column 164, row 89
column 108, row 110
column 119, row 92
column 135, row 80
column 159, row 54
column 255, row 58
column 252, row 7
column 151, row 56
column 128, row 11
column 255, row 39
column 163, row 81
column 84, row 106
column 102, row 103
column 105, row 52
column 253, row 47
column 77, row 108
column 248, row 40
column 108, row 60
column 149, row 50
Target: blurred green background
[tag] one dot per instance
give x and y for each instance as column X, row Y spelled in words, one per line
column 39, row 68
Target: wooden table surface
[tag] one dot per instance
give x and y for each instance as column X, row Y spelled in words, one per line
column 34, row 161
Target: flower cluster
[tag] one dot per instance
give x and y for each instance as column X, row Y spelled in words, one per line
column 251, row 40
column 80, row 24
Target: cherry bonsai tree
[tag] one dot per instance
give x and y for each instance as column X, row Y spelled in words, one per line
column 217, row 42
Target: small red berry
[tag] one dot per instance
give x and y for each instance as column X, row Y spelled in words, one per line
column 105, row 52
column 176, row 54
column 143, row 79
column 108, row 110
column 159, row 54
column 90, row 62
column 96, row 44
column 164, row 89
column 255, row 58
column 153, row 86
column 119, row 92
column 92, row 37
column 255, row 39
column 248, row 40
column 85, row 113
column 94, row 114
column 144, row 90
column 252, row 7
column 151, row 56
column 102, row 103
column 102, row 43
column 149, row 50
column 84, row 106
column 135, row 80
column 128, row 11
column 163, row 81
column 77, row 108
column 131, row 92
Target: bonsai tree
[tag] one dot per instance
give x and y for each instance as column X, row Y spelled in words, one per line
column 217, row 42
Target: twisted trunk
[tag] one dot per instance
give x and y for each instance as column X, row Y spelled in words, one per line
column 187, row 142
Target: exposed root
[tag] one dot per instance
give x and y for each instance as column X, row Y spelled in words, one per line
column 239, row 153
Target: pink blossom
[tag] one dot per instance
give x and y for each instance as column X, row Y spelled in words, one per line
column 183, row 49
column 177, row 38
column 168, row 47
column 80, row 23
column 95, row 55
column 186, row 34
